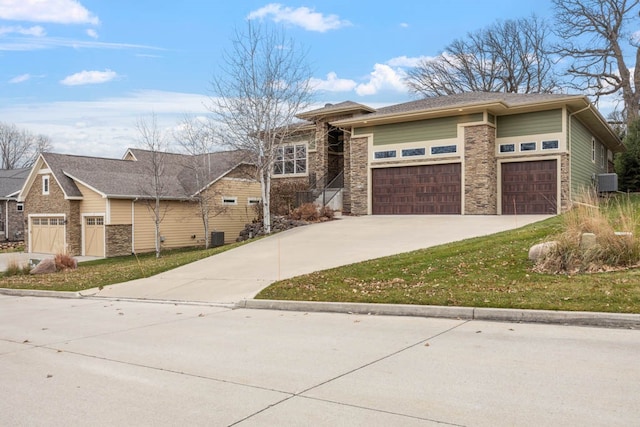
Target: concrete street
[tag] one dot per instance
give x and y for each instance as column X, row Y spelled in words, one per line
column 105, row 362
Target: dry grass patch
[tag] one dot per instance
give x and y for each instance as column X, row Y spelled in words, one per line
column 599, row 235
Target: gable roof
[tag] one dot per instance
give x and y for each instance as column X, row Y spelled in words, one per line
column 497, row 103
column 117, row 178
column 11, row 181
column 336, row 109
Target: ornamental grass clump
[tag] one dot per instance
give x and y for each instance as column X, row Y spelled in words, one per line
column 599, row 235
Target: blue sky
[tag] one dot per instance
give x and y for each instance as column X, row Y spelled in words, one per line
column 83, row 71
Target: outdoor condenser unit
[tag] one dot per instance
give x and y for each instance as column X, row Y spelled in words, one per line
column 607, row 182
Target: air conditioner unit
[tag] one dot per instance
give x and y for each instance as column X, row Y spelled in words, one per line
column 607, row 182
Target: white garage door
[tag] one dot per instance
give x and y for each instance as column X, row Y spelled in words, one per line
column 94, row 236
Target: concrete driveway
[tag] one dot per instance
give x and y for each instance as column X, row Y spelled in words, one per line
column 241, row 273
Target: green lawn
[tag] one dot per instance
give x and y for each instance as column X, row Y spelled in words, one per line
column 108, row 271
column 492, row 271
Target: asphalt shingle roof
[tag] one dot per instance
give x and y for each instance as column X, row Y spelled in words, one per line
column 11, row 181
column 134, row 178
column 467, row 99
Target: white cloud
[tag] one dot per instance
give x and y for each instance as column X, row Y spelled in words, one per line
column 53, row 11
column 104, row 127
column 20, row 79
column 406, row 61
column 89, row 77
column 53, row 42
column 404, row 25
column 36, row 31
column 383, row 77
column 303, row 17
column 333, row 84
column 92, row 33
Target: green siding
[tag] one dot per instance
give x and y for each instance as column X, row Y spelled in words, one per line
column 529, row 123
column 582, row 167
column 423, row 130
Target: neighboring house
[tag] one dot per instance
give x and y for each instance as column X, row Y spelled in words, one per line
column 11, row 212
column 102, row 207
column 473, row 153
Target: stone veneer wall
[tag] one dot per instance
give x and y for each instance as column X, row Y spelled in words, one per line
column 16, row 222
column 565, row 187
column 118, row 240
column 346, row 191
column 54, row 203
column 358, row 175
column 480, row 171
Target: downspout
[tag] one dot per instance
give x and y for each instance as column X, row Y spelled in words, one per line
column 569, row 143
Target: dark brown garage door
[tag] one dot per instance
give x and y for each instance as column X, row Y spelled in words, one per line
column 529, row 187
column 432, row 189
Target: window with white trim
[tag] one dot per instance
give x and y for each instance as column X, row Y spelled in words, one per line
column 507, row 148
column 593, row 150
column 550, row 145
column 603, row 156
column 444, row 149
column 253, row 201
column 20, row 207
column 389, row 154
column 229, row 201
column 290, row 160
column 45, row 184
column 409, row 152
column 528, row 146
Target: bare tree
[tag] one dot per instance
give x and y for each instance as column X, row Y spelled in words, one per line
column 263, row 83
column 152, row 139
column 20, row 148
column 197, row 138
column 509, row 56
column 597, row 35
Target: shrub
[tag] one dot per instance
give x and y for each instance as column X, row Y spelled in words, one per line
column 306, row 212
column 603, row 218
column 65, row 262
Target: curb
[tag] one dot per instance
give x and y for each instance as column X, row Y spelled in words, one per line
column 570, row 318
column 40, row 293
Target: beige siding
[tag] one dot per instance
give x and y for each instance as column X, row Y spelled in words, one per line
column 92, row 202
column 233, row 218
column 182, row 220
column 120, row 211
column 179, row 223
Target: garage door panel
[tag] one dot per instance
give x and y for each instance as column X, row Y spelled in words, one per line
column 426, row 189
column 47, row 235
column 529, row 187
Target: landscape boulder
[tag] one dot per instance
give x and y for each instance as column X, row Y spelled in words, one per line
column 46, row 266
column 541, row 249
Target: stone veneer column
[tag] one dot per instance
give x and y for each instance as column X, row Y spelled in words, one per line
column 359, row 166
column 322, row 153
column 118, row 240
column 480, row 171
column 346, row 191
column 565, row 188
